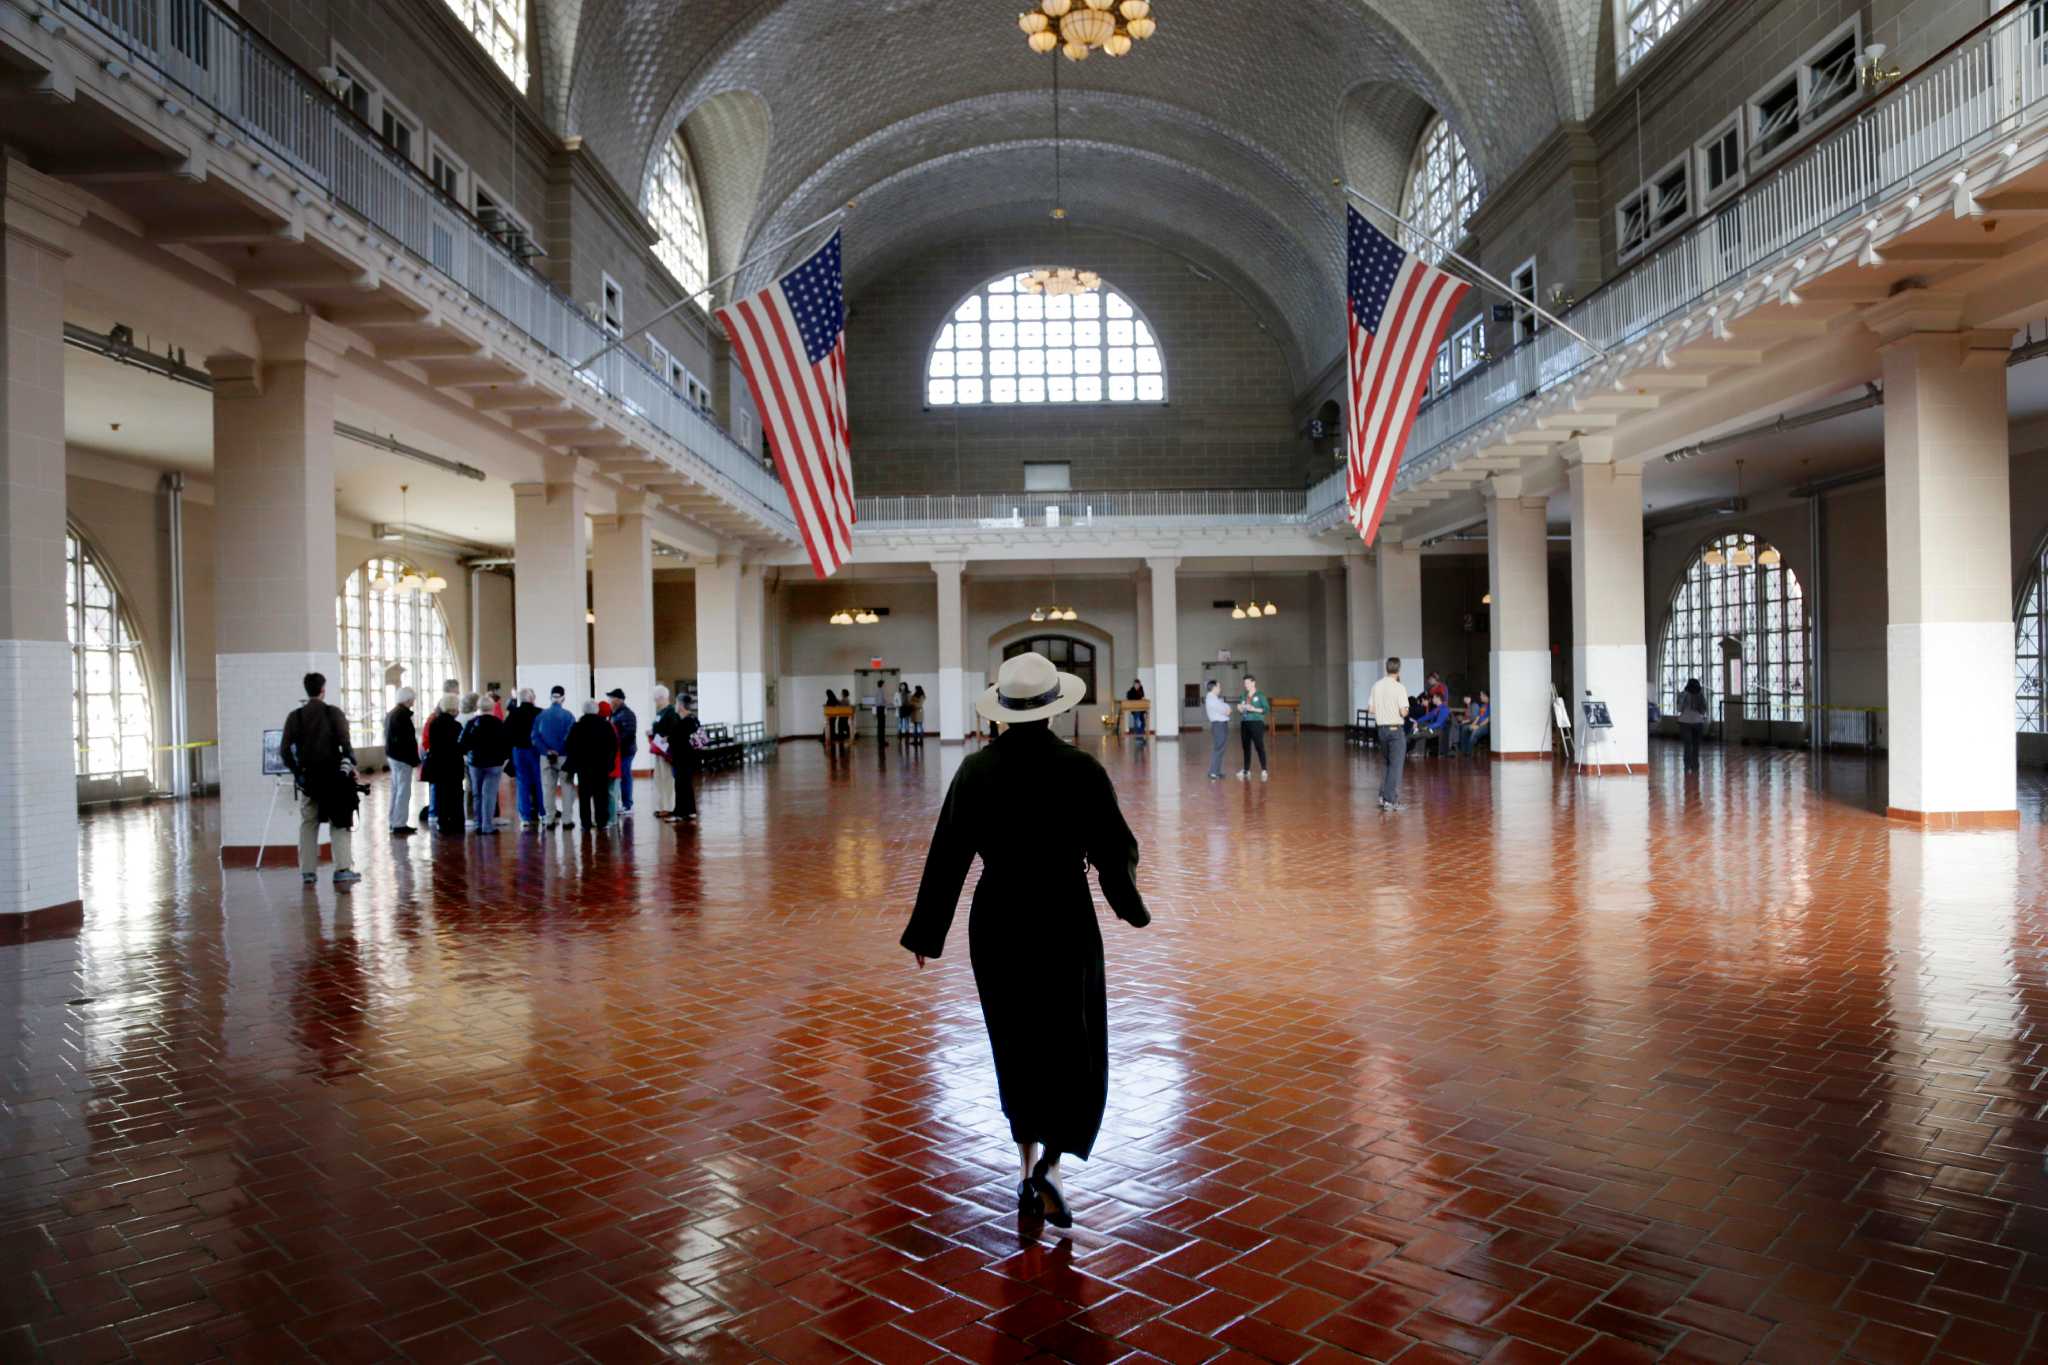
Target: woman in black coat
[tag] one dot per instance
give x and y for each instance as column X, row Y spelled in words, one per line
column 444, row 766
column 1038, row 811
column 591, row 752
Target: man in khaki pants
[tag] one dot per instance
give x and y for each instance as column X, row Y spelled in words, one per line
column 317, row 751
column 664, row 771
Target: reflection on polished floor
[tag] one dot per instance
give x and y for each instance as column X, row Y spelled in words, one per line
column 1687, row 1068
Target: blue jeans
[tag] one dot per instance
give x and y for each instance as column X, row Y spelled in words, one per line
column 526, row 767
column 483, row 786
column 626, row 779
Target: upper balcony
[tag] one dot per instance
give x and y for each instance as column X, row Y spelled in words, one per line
column 263, row 165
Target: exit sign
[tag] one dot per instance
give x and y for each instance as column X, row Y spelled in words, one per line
column 874, row 663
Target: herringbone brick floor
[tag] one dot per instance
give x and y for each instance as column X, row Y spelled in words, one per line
column 1708, row 1069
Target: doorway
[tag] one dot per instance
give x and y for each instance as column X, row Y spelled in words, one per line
column 1231, row 673
column 866, row 682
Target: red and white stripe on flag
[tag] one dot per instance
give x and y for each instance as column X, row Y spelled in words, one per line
column 790, row 339
column 1398, row 307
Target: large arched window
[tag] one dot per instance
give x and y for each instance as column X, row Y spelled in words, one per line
column 1737, row 622
column 1006, row 345
column 1443, row 190
column 675, row 211
column 2030, row 647
column 1641, row 24
column 499, row 27
column 389, row 637
column 111, row 722
column 1073, row 656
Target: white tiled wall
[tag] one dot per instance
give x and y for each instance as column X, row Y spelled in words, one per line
column 257, row 692
column 38, row 835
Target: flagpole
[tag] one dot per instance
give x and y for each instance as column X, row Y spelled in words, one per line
column 710, row 285
column 1519, row 300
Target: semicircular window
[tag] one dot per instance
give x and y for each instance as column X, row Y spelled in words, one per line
column 111, row 719
column 1007, row 346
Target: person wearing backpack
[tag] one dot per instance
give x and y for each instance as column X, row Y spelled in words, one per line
column 323, row 767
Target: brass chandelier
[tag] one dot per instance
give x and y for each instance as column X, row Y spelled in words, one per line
column 1079, row 27
column 1058, row 279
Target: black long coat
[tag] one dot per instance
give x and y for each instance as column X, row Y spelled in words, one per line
column 592, row 750
column 1038, row 811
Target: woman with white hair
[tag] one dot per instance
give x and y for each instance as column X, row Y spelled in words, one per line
column 1038, row 812
column 402, row 756
column 658, row 731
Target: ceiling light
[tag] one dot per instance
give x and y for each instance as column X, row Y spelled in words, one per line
column 1038, row 613
column 1080, row 29
column 1713, row 558
column 1487, row 600
column 1271, row 609
column 1770, row 557
column 1236, row 613
column 1740, row 557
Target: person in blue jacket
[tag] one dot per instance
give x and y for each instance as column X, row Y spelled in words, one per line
column 551, row 739
column 628, row 727
column 1433, row 724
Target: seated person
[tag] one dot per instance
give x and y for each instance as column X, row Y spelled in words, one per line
column 1434, row 723
column 1478, row 721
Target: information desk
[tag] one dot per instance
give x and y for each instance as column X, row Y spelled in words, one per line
column 1292, row 705
column 1130, row 708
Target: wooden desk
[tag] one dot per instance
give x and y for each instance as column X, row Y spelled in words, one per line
column 837, row 713
column 1293, row 704
column 1130, row 708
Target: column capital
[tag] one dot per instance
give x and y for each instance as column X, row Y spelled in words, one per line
column 1503, row 487
column 1590, row 450
column 948, row 568
column 302, row 339
column 1165, row 564
column 1915, row 310
column 40, row 208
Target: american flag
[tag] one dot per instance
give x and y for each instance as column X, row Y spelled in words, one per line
column 791, row 341
column 1399, row 306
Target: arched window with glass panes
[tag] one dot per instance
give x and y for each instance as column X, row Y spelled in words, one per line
column 499, row 27
column 111, row 716
column 1737, row 622
column 2030, row 646
column 1007, row 346
column 677, row 213
column 389, row 636
column 1443, row 190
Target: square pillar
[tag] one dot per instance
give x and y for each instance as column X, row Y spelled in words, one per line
column 752, row 621
column 1400, row 611
column 1609, row 657
column 1518, row 580
column 550, row 585
column 952, row 639
column 39, row 894
column 1948, row 574
column 622, row 598
column 1165, row 646
column 1362, row 629
column 718, row 641
column 1335, row 660
column 1146, row 673
column 274, row 563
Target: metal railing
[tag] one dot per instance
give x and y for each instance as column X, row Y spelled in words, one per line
column 1107, row 508
column 211, row 53
column 1976, row 92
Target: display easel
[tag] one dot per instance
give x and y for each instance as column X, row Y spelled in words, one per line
column 1562, row 719
column 1599, row 723
column 281, row 781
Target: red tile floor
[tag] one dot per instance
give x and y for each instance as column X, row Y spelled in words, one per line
column 1708, row 1068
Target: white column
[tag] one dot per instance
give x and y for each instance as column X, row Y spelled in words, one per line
column 550, row 584
column 38, row 774
column 1146, row 669
column 1948, row 511
column 1165, row 647
column 1400, row 602
column 1518, row 579
column 1335, row 663
column 752, row 620
column 274, row 562
column 1362, row 628
column 952, row 630
column 1609, row 657
column 718, row 641
column 622, row 598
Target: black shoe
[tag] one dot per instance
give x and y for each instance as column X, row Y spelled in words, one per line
column 1055, row 1202
column 1029, row 1205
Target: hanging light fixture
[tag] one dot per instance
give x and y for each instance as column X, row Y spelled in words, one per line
column 1739, row 553
column 1059, row 279
column 1713, row 558
column 1080, row 27
column 1769, row 557
column 842, row 617
column 1237, row 613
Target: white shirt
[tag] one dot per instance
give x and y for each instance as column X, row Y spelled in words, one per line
column 1387, row 701
column 1216, row 708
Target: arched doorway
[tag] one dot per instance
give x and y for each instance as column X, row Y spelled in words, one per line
column 1069, row 654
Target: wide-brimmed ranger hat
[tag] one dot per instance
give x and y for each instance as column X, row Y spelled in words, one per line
column 1028, row 687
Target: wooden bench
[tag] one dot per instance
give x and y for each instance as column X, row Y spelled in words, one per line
column 1290, row 704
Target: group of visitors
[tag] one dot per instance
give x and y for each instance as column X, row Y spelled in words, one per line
column 1253, row 709
column 468, row 745
column 908, row 702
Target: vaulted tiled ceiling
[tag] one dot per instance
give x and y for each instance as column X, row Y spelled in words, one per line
column 1218, row 138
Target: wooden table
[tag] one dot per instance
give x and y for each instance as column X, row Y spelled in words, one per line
column 1129, row 708
column 1279, row 704
column 833, row 713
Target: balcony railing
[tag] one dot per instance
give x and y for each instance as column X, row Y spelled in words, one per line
column 1977, row 92
column 211, row 54
column 1105, row 509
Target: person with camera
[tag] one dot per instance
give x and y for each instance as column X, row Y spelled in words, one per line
column 323, row 768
